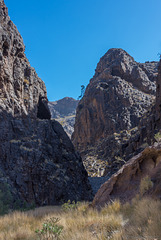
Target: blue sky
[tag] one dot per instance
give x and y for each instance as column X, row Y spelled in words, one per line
column 65, row 39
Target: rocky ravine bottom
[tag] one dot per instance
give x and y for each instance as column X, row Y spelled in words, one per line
column 96, row 182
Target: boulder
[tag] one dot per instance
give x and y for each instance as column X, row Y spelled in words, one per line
column 125, row 184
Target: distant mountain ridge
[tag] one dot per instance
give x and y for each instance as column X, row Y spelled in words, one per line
column 63, row 107
column 64, row 111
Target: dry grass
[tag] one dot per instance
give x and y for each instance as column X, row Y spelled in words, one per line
column 90, row 224
column 18, row 226
column 145, row 220
column 139, row 220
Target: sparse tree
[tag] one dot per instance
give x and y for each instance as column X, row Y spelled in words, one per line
column 82, row 92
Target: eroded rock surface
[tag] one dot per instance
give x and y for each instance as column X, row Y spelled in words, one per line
column 121, row 92
column 125, row 184
column 37, row 159
column 20, row 87
column 40, row 162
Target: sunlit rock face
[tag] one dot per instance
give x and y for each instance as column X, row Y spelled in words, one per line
column 19, row 84
column 143, row 169
column 126, row 183
column 37, row 159
column 120, row 93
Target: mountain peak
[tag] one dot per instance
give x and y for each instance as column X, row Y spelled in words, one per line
column 118, row 95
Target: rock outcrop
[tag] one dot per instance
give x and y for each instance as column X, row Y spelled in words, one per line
column 20, row 87
column 121, row 92
column 125, row 184
column 40, row 162
column 37, row 159
column 64, row 111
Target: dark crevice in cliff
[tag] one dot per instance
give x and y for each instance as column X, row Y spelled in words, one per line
column 43, row 109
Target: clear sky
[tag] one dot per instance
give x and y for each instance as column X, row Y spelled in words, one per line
column 65, row 39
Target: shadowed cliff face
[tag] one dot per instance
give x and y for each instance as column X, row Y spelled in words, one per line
column 37, row 159
column 39, row 162
column 121, row 92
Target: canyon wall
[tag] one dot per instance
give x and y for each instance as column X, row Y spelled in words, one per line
column 37, row 158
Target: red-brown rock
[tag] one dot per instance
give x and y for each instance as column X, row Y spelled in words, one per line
column 125, row 184
column 117, row 96
column 121, row 92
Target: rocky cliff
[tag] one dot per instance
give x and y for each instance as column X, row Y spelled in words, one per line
column 20, row 87
column 64, row 111
column 121, row 92
column 37, row 159
column 142, row 172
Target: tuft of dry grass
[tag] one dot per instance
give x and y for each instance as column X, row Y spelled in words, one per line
column 113, row 207
column 145, row 185
column 94, row 224
column 140, row 219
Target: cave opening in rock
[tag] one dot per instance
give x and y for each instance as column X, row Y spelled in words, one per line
column 43, row 111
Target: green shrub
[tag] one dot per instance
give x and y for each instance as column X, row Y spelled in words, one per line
column 23, row 205
column 68, row 206
column 7, row 203
column 50, row 230
column 157, row 136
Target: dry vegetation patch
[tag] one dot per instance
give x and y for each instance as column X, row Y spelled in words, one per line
column 140, row 219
